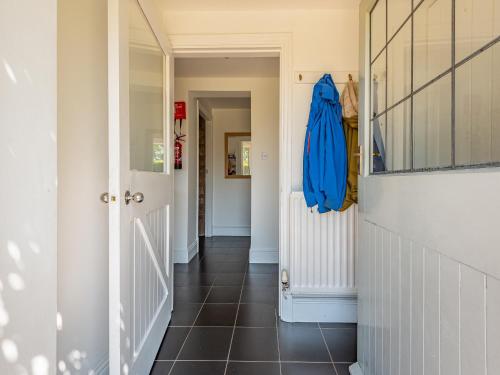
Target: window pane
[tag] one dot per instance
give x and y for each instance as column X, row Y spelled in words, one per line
column 399, row 66
column 477, row 23
column 432, row 125
column 146, row 89
column 478, row 109
column 432, row 40
column 378, row 24
column 379, row 133
column 378, row 82
column 398, row 140
column 397, row 12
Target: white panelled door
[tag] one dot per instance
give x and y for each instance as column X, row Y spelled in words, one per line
column 141, row 185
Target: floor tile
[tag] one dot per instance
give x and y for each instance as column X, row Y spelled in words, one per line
column 207, row 343
column 307, row 368
column 342, row 344
column 253, row 368
column 342, row 368
column 259, row 295
column 194, row 279
column 190, row 294
column 224, row 294
column 217, row 315
column 256, row 315
column 161, row 368
column 199, row 368
column 261, row 280
column 254, row 344
column 262, row 268
column 172, row 343
column 302, row 344
column 184, row 314
column 229, row 279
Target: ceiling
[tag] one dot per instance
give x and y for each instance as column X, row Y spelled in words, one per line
column 255, row 5
column 227, row 67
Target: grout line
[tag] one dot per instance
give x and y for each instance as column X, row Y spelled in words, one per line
column 235, row 320
column 194, row 321
column 328, row 349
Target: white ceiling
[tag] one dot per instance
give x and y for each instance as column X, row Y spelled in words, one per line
column 230, row 67
column 249, row 5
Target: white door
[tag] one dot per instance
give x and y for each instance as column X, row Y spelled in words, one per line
column 141, row 185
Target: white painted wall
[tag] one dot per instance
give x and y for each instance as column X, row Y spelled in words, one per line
column 82, row 177
column 231, row 197
column 323, row 40
column 264, row 127
column 28, row 219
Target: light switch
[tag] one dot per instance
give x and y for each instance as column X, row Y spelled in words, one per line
column 263, row 156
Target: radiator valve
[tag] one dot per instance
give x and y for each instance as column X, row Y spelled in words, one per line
column 285, row 284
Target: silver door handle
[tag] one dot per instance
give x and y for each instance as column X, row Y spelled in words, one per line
column 104, row 197
column 136, row 197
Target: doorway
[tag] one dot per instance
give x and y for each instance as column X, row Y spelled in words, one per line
column 202, row 172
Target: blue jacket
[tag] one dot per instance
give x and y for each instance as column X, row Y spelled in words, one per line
column 325, row 152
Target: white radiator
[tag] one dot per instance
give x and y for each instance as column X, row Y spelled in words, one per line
column 322, row 251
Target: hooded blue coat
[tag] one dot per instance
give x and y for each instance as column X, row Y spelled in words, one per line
column 325, row 152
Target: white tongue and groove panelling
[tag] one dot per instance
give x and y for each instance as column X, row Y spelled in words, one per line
column 150, row 266
column 422, row 312
column 322, row 263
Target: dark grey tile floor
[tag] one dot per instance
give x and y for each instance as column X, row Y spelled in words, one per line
column 225, row 322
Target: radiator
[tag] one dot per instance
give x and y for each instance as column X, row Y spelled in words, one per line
column 322, row 250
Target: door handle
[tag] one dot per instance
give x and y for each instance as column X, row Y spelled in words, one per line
column 104, row 197
column 136, row 197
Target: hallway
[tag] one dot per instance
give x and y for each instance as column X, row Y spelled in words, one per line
column 225, row 322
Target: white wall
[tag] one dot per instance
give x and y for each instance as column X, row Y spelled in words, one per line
column 28, row 150
column 231, row 197
column 82, row 177
column 323, row 40
column 264, row 126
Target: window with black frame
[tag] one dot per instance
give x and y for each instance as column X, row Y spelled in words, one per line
column 435, row 84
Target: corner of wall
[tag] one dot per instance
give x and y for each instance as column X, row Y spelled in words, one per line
column 264, row 255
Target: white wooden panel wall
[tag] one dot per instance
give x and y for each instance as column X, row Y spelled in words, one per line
column 150, row 290
column 322, row 249
column 421, row 312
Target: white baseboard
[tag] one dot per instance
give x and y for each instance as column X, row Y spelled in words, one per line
column 184, row 255
column 354, row 369
column 263, row 255
column 320, row 308
column 234, row 230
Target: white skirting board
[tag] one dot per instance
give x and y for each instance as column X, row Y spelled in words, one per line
column 323, row 308
column 184, row 255
column 263, row 255
column 237, row 230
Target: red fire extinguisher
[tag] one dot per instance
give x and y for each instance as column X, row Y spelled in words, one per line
column 180, row 114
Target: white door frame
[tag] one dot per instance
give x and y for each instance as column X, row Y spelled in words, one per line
column 257, row 45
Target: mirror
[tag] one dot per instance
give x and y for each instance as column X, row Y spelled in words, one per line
column 146, row 90
column 238, row 150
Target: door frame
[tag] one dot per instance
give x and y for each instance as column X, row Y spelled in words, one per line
column 258, row 45
column 203, row 112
